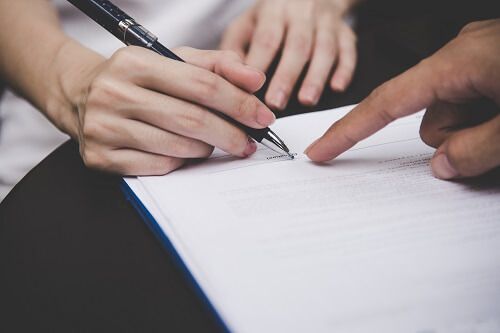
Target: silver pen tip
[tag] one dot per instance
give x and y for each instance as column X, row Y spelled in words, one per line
column 274, row 142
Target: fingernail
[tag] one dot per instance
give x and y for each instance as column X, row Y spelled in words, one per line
column 251, row 148
column 311, row 146
column 311, row 95
column 255, row 70
column 442, row 168
column 265, row 117
column 338, row 84
column 279, row 100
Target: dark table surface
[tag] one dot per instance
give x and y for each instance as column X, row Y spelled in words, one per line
column 75, row 256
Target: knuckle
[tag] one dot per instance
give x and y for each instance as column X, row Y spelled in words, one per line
column 469, row 27
column 247, row 107
column 348, row 139
column 126, row 58
column 95, row 159
column 92, row 129
column 97, row 97
column 121, row 58
column 461, row 156
column 385, row 110
column 379, row 93
column 98, row 93
column 387, row 116
column 301, row 45
column 268, row 40
column 237, row 142
column 206, row 85
column 430, row 63
column 231, row 55
column 194, row 120
column 104, row 92
column 326, row 46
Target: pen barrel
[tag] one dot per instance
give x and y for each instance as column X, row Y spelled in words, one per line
column 162, row 50
column 255, row 133
column 105, row 13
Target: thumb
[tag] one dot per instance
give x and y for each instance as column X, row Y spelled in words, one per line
column 470, row 152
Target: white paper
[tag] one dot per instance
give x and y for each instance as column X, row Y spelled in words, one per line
column 370, row 242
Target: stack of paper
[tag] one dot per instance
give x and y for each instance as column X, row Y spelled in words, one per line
column 370, row 242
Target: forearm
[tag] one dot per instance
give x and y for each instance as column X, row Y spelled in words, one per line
column 40, row 62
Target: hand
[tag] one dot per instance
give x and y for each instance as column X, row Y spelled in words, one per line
column 142, row 114
column 309, row 31
column 465, row 71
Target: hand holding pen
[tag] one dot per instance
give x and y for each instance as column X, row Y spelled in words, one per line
column 146, row 113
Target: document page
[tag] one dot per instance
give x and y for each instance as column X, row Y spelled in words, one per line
column 370, row 242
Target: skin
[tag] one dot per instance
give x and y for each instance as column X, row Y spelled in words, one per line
column 310, row 34
column 459, row 86
column 136, row 113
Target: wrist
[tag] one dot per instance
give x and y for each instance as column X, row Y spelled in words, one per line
column 71, row 69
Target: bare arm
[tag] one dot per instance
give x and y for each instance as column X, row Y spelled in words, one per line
column 37, row 59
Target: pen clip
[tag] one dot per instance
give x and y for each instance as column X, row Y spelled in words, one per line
column 141, row 36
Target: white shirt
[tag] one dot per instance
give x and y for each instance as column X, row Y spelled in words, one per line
column 26, row 137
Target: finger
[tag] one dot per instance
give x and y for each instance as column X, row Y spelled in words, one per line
column 202, row 87
column 130, row 162
column 187, row 120
column 470, row 152
column 477, row 26
column 238, row 35
column 228, row 64
column 451, row 74
column 442, row 119
column 324, row 55
column 296, row 54
column 346, row 65
column 267, row 38
column 136, row 135
column 380, row 108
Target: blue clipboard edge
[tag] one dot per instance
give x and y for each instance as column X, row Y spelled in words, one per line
column 153, row 225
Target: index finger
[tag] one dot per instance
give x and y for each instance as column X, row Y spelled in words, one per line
column 406, row 94
column 200, row 86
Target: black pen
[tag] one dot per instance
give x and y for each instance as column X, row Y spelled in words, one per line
column 126, row 29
